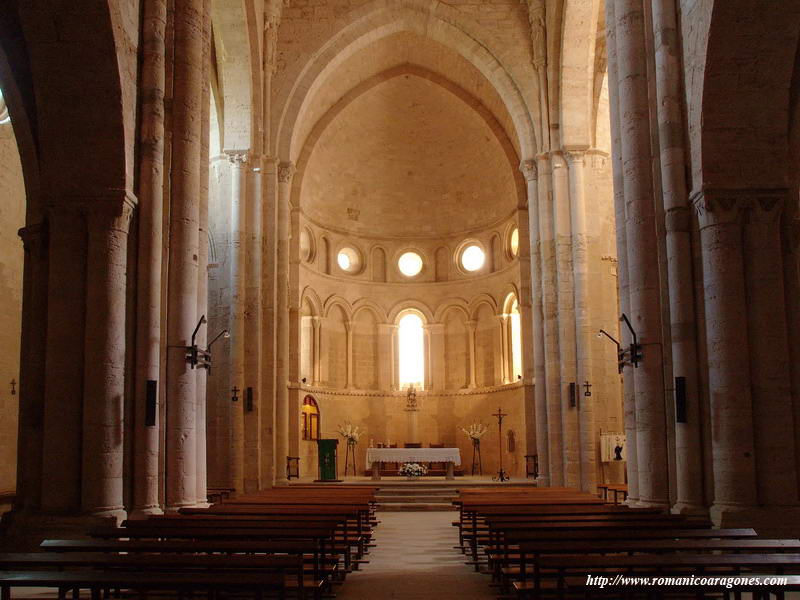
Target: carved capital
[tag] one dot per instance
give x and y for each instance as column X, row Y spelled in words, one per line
column 739, row 206
column 574, row 157
column 678, row 219
column 237, row 158
column 33, row 237
column 530, row 169
column 285, row 172
column 110, row 216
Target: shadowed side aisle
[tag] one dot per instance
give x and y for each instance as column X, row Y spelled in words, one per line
column 414, row 559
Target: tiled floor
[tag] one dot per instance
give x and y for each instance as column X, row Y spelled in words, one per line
column 415, row 559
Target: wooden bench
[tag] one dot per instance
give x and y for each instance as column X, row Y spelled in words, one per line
column 255, row 583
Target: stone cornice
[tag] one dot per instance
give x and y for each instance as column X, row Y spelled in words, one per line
column 401, row 394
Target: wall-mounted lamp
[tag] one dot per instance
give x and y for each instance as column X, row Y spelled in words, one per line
column 631, row 356
column 636, row 355
column 235, row 394
column 248, row 400
column 620, row 362
column 202, row 358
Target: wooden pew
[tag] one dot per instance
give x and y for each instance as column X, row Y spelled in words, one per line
column 255, row 583
column 290, row 566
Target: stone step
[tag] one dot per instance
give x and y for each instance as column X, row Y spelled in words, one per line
column 413, row 506
column 415, row 499
column 427, row 491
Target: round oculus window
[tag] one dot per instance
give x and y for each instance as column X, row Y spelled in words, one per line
column 472, row 258
column 410, row 264
column 514, row 242
column 349, row 260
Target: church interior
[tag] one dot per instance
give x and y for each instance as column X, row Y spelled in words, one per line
column 281, row 253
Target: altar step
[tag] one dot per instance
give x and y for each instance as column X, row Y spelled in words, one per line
column 416, row 497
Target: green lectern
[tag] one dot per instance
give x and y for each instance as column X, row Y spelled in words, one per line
column 326, row 456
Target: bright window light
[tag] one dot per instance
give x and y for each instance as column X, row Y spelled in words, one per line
column 349, row 260
column 472, row 258
column 411, row 338
column 514, row 242
column 516, row 341
column 410, row 264
column 4, row 116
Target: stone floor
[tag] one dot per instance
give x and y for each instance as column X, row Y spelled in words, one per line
column 415, row 560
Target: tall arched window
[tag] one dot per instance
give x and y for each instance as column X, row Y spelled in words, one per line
column 411, row 351
column 516, row 342
column 310, row 419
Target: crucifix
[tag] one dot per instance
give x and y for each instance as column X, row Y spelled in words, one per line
column 501, row 474
column 13, row 387
column 235, row 391
column 587, row 389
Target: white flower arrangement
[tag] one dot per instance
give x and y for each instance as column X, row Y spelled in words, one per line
column 350, row 432
column 475, row 431
column 413, row 470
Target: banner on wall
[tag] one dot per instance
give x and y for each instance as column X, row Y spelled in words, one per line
column 612, row 447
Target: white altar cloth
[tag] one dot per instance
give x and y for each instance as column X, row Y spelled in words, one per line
column 404, row 455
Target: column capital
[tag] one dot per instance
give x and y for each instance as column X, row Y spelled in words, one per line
column 530, row 169
column 114, row 216
column 574, row 157
column 286, row 171
column 678, row 218
column 472, row 324
column 434, row 328
column 717, row 206
column 237, row 157
column 33, row 236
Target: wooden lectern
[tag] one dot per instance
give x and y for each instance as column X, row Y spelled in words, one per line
column 326, row 457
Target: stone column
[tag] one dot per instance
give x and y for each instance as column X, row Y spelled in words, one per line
column 503, row 368
column 562, row 224
column 238, row 160
column 642, row 249
column 550, row 323
column 202, row 261
column 770, row 369
column 150, row 249
column 182, row 317
column 252, row 339
column 349, row 366
column 584, row 335
column 108, row 221
column 32, row 366
column 435, row 333
column 285, row 174
column 629, row 390
column 316, row 325
column 791, row 269
column 732, row 442
column 471, row 330
column 385, row 354
column 689, row 469
column 530, row 172
column 268, row 327
column 64, row 362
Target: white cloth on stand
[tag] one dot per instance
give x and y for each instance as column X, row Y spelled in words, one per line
column 404, row 455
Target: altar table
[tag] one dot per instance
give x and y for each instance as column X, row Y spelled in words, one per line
column 376, row 456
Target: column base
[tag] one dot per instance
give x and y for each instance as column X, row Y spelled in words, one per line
column 24, row 531
column 770, row 521
column 639, row 503
column 688, row 508
column 143, row 513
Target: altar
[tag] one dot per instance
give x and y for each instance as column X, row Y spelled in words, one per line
column 377, row 456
